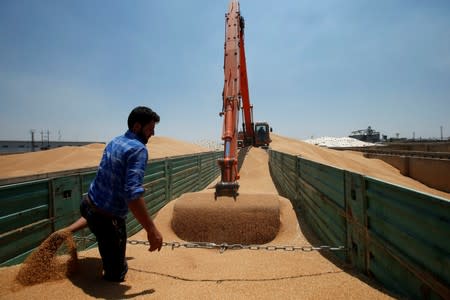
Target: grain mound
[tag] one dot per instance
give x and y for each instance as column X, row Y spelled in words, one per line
column 73, row 158
column 252, row 218
column 249, row 219
column 44, row 264
column 351, row 161
column 160, row 147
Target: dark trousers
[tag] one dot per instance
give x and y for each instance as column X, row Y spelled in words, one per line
column 111, row 237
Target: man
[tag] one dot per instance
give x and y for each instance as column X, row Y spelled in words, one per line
column 116, row 188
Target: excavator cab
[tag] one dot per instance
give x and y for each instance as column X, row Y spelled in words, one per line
column 262, row 134
column 260, row 138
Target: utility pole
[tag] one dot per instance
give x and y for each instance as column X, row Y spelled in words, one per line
column 42, row 138
column 48, row 139
column 32, row 140
column 442, row 133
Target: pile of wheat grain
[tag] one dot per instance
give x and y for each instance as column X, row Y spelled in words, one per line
column 55, row 258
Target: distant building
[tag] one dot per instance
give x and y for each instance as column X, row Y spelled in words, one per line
column 366, row 135
column 11, row 147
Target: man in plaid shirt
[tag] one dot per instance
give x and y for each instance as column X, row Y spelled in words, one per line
column 116, row 188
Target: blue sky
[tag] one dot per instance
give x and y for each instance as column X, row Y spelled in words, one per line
column 315, row 68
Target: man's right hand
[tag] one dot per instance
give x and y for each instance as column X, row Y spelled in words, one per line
column 139, row 210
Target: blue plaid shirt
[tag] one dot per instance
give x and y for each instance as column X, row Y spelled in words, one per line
column 120, row 174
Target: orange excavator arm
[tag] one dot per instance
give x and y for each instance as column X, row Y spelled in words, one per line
column 236, row 95
column 231, row 100
column 247, row 108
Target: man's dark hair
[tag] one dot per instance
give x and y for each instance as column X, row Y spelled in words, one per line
column 143, row 115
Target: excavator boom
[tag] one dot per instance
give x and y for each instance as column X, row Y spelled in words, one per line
column 235, row 95
column 231, row 101
column 247, row 108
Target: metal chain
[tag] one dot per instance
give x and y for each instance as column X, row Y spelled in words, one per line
column 224, row 246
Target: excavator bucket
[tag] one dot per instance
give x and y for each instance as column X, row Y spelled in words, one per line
column 226, row 189
column 248, row 219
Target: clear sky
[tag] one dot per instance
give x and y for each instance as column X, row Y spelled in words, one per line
column 315, row 68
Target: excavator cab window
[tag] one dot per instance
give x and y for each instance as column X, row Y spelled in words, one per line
column 261, row 135
column 261, row 131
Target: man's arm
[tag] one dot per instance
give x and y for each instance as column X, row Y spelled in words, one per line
column 139, row 210
column 77, row 225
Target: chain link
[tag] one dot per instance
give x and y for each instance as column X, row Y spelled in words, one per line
column 224, row 246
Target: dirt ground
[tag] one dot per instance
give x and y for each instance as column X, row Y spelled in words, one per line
column 235, row 274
